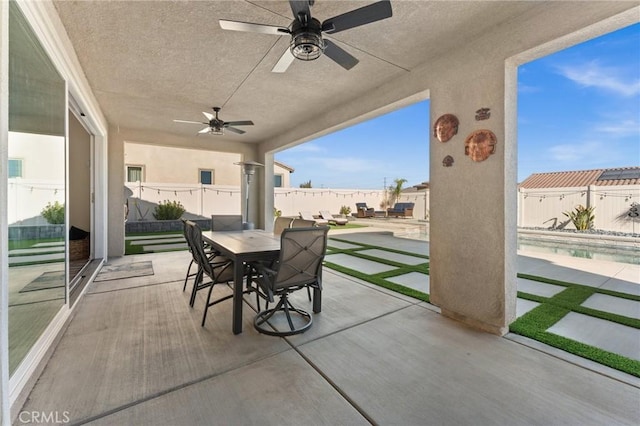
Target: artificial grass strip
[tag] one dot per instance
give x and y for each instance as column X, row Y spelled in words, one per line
column 569, row 284
column 370, row 247
column 534, row 324
column 379, row 281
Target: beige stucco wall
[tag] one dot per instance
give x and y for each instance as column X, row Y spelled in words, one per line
column 181, row 165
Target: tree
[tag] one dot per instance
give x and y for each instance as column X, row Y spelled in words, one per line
column 306, row 184
column 396, row 190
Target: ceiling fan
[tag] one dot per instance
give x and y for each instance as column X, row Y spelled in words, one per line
column 215, row 126
column 307, row 43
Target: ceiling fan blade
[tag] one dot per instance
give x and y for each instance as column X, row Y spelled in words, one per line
column 301, row 10
column 190, row 122
column 238, row 123
column 355, row 18
column 252, row 28
column 284, row 62
column 234, row 130
column 208, row 115
column 205, row 130
column 338, row 54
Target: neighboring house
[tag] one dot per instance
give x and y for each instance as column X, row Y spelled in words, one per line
column 281, row 174
column 144, row 163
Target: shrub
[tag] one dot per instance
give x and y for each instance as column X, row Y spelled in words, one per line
column 53, row 213
column 168, row 210
column 345, row 210
column 582, row 217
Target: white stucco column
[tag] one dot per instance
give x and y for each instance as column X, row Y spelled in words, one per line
column 266, row 194
column 473, row 204
column 115, row 191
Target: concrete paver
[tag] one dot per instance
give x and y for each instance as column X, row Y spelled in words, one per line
column 395, row 257
column 615, row 305
column 174, row 246
column 523, row 306
column 414, row 280
column 156, row 241
column 357, row 263
column 539, row 288
column 607, row 335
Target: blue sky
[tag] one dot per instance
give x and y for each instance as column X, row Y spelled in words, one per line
column 578, row 109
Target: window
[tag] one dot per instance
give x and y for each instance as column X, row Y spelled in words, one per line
column 134, row 173
column 277, row 181
column 206, row 177
column 15, row 168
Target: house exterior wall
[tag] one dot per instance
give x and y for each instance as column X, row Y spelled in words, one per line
column 182, row 166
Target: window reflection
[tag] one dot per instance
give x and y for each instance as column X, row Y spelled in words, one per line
column 36, row 189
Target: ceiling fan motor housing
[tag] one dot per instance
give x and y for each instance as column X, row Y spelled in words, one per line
column 306, row 40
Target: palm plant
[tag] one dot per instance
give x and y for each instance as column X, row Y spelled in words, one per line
column 582, row 217
column 396, row 190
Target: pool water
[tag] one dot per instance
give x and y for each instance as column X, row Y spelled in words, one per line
column 598, row 252
column 620, row 254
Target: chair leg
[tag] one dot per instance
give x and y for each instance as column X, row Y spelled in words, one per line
column 206, row 306
column 184, row 287
column 309, row 293
column 196, row 286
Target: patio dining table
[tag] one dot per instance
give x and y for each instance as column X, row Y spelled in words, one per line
column 248, row 246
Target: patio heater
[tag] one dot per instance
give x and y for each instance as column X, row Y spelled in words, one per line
column 249, row 169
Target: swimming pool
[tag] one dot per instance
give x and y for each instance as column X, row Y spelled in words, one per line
column 622, row 254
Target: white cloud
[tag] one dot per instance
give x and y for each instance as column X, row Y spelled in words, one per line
column 611, row 79
column 347, row 164
column 576, row 151
column 619, row 128
column 305, row 147
column 527, row 88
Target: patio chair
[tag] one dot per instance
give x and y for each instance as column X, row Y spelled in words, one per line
column 280, row 224
column 302, row 251
column 218, row 269
column 306, row 215
column 332, row 220
column 226, row 222
column 302, row 223
column 363, row 211
column 187, row 236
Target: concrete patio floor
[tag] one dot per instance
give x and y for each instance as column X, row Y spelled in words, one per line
column 135, row 353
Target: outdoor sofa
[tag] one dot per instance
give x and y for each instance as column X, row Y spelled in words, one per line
column 401, row 210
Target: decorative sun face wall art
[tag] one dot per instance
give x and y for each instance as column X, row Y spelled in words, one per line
column 480, row 144
column 445, row 127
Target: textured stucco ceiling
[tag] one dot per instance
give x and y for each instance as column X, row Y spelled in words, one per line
column 149, row 62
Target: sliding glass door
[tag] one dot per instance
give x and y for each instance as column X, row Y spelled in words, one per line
column 36, row 203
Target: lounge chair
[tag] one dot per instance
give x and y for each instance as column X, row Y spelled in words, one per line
column 324, row 214
column 363, row 211
column 306, row 215
column 401, row 210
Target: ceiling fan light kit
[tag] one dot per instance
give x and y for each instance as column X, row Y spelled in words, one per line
column 306, row 42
